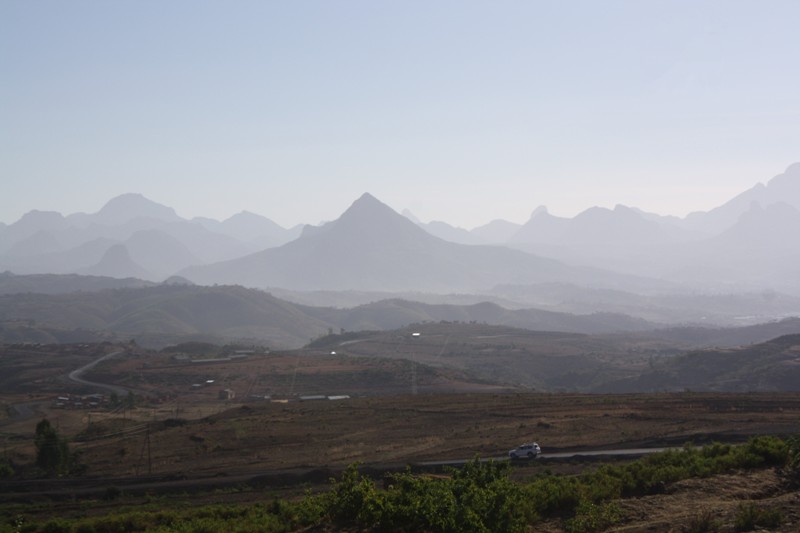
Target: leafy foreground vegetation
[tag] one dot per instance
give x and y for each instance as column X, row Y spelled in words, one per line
column 479, row 497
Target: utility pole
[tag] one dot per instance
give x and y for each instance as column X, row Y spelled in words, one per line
column 146, row 445
column 414, row 366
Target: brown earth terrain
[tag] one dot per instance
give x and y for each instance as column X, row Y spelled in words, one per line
column 181, row 436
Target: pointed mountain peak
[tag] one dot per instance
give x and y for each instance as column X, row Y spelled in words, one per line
column 367, row 206
column 367, row 199
column 370, row 220
column 117, row 263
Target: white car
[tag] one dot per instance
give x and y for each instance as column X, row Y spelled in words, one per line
column 529, row 450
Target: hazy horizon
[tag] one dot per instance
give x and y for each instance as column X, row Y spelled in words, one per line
column 457, row 111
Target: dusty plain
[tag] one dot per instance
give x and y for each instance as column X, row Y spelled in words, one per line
column 182, row 438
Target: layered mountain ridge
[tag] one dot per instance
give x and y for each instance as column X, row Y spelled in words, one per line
column 744, row 244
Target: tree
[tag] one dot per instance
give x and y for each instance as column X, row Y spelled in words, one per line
column 130, row 401
column 52, row 451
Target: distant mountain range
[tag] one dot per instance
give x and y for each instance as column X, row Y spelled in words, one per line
column 135, row 269
column 745, row 245
column 131, row 236
column 42, row 308
column 158, row 315
column 371, row 247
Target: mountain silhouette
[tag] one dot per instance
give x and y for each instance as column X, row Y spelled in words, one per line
column 256, row 231
column 746, row 242
column 117, row 263
column 28, row 225
column 594, row 226
column 372, row 247
column 129, row 206
column 497, row 231
column 156, row 238
column 159, row 253
column 784, row 188
column 541, row 227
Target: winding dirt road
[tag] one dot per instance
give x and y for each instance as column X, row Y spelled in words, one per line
column 75, row 376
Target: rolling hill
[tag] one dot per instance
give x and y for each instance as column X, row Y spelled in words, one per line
column 769, row 366
column 159, row 315
column 523, row 347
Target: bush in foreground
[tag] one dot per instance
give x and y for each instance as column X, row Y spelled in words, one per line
column 479, row 497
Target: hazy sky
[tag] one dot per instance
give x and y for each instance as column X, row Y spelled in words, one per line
column 461, row 111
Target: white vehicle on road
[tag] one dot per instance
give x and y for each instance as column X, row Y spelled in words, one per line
column 529, row 450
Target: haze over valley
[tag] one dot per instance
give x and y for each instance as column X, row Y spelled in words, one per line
column 743, row 246
column 399, row 266
column 135, row 269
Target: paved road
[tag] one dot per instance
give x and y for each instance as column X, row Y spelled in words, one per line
column 627, row 452
column 23, row 411
column 24, row 490
column 603, row 453
column 75, row 376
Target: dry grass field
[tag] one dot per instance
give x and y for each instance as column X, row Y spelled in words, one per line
column 392, row 411
column 182, row 437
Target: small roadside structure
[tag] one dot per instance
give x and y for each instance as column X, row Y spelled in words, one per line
column 227, row 394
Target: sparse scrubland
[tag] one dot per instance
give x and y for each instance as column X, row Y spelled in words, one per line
column 173, row 455
column 480, row 496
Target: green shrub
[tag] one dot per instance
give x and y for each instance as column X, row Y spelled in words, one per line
column 478, row 498
column 57, row 525
column 554, row 495
column 52, row 451
column 415, row 503
column 606, row 483
column 758, row 452
column 6, row 470
column 112, row 493
column 749, row 516
column 590, row 517
column 791, row 469
column 353, row 499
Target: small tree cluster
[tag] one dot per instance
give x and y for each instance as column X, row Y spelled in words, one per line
column 6, row 470
column 476, row 498
column 52, row 451
column 480, row 497
column 791, row 470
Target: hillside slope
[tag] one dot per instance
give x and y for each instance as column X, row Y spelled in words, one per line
column 769, row 366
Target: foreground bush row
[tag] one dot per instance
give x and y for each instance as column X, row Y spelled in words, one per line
column 477, row 498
